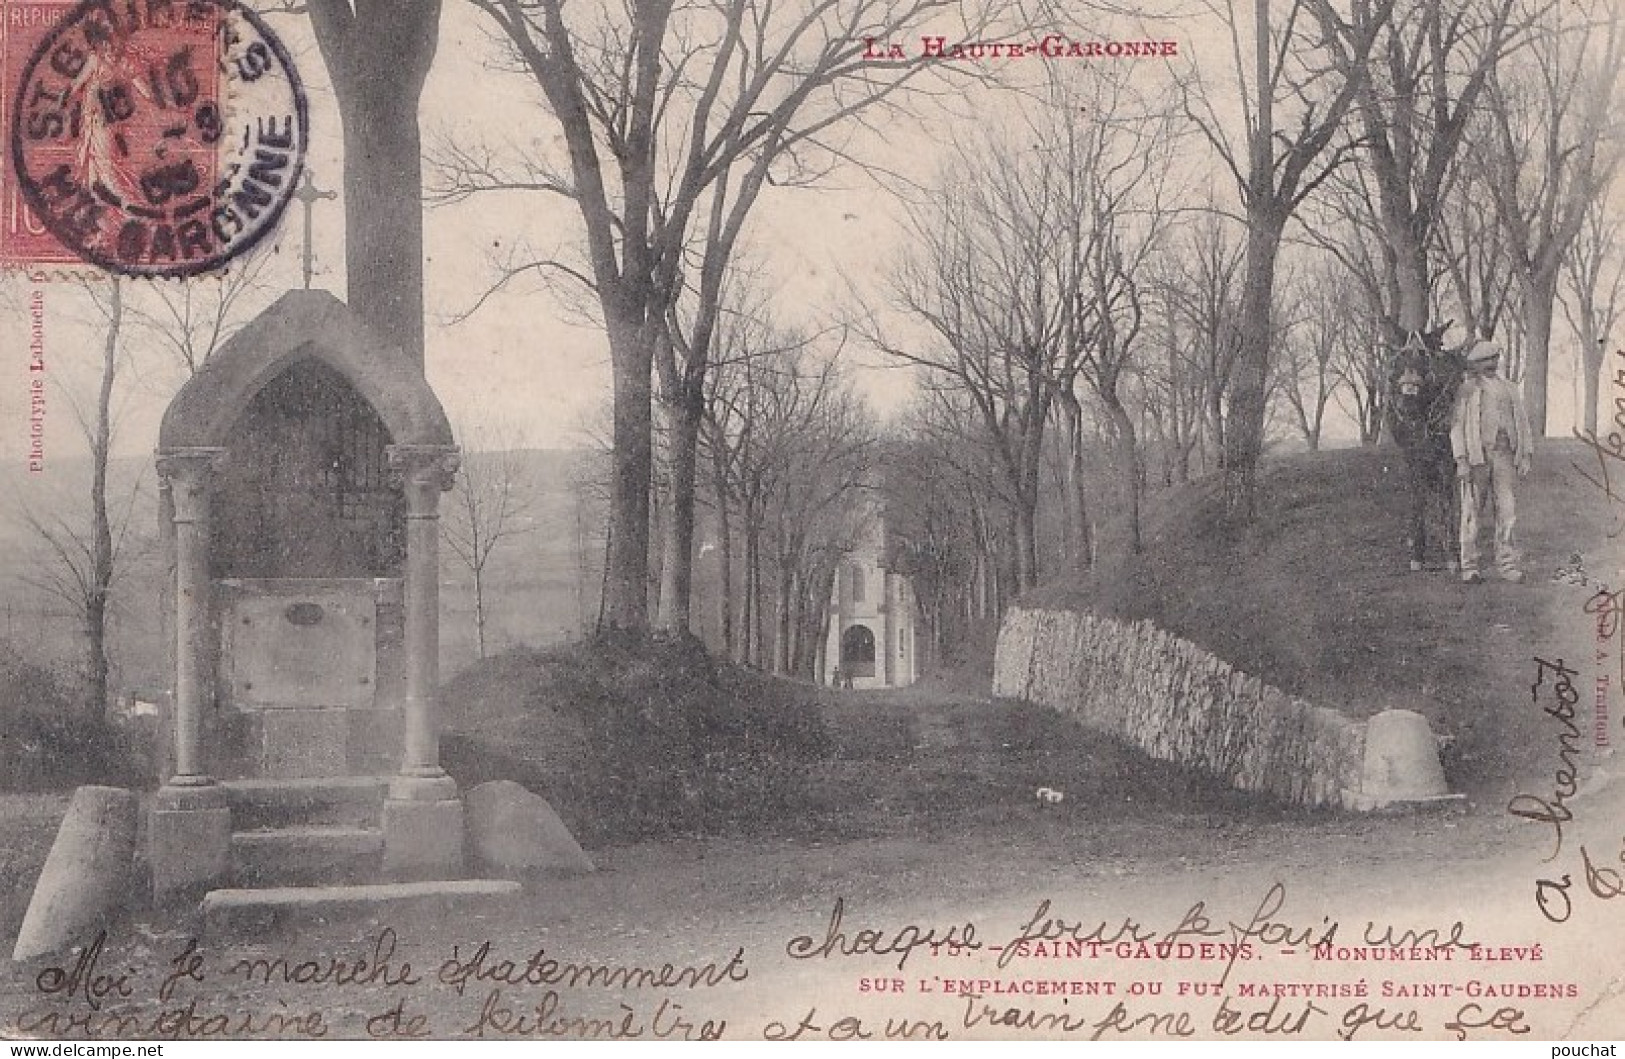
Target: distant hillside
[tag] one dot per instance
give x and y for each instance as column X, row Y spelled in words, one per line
column 1317, row 598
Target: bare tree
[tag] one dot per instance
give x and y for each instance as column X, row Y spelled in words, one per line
column 1294, row 103
column 746, row 429
column 1344, row 221
column 191, row 320
column 1027, row 269
column 1125, row 227
column 817, row 513
column 490, row 503
column 934, row 486
column 674, row 119
column 1419, row 86
column 946, row 422
column 1594, row 271
column 84, row 559
column 790, row 444
column 1362, row 369
column 1555, row 147
column 1200, row 284
column 1311, row 321
column 1172, row 401
column 748, row 342
column 1476, row 258
column 984, row 278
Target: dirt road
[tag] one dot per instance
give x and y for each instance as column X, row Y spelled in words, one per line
column 1102, row 917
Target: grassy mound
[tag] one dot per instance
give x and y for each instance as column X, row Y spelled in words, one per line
column 631, row 738
column 1317, row 598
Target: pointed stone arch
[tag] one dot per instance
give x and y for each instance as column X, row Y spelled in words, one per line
column 303, row 324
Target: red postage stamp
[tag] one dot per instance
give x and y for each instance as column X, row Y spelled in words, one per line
column 150, row 138
column 24, row 241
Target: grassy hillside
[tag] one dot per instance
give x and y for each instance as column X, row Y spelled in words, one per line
column 1317, row 597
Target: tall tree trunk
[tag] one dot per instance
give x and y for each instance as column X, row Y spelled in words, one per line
column 1593, row 346
column 1244, row 426
column 1024, row 528
column 781, row 615
column 479, row 610
column 1063, row 486
column 747, row 597
column 984, row 603
column 582, row 563
column 1024, row 555
column 626, row 582
column 754, row 625
column 725, row 550
column 659, row 512
column 823, row 593
column 1244, row 441
column 101, row 547
column 677, row 535
column 1126, row 458
column 377, row 56
column 1076, row 498
column 939, row 616
column 807, row 613
column 1317, row 425
column 383, row 230
column 1410, row 269
column 1540, row 297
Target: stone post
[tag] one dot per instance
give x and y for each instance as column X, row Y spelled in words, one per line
column 423, row 817
column 164, row 763
column 887, row 630
column 190, row 833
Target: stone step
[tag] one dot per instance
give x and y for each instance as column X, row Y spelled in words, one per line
column 318, row 853
column 239, row 910
column 268, row 803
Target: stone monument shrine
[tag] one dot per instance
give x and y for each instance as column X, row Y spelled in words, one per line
column 301, row 472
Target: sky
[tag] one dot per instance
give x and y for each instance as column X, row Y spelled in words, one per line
column 524, row 370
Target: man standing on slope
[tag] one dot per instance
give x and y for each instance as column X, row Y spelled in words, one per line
column 1492, row 443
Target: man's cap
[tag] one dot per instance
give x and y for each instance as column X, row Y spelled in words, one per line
column 1484, row 352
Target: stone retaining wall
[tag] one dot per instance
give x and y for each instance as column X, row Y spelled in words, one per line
column 1180, row 703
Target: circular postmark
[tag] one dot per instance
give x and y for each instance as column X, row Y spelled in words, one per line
column 159, row 137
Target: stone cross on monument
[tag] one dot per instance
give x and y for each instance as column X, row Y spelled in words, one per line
column 306, row 195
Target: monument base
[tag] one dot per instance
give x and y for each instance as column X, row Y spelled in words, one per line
column 188, row 841
column 423, row 839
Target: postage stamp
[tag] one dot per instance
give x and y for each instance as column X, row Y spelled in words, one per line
column 24, row 241
column 152, row 139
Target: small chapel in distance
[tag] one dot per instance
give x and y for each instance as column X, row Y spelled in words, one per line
column 871, row 638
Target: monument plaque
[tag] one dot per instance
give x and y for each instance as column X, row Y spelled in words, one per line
column 297, row 643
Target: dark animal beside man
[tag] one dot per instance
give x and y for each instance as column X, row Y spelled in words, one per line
column 1422, row 381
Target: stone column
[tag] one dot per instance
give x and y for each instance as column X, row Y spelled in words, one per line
column 885, row 670
column 423, row 818
column 832, row 642
column 190, row 833
column 164, row 766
